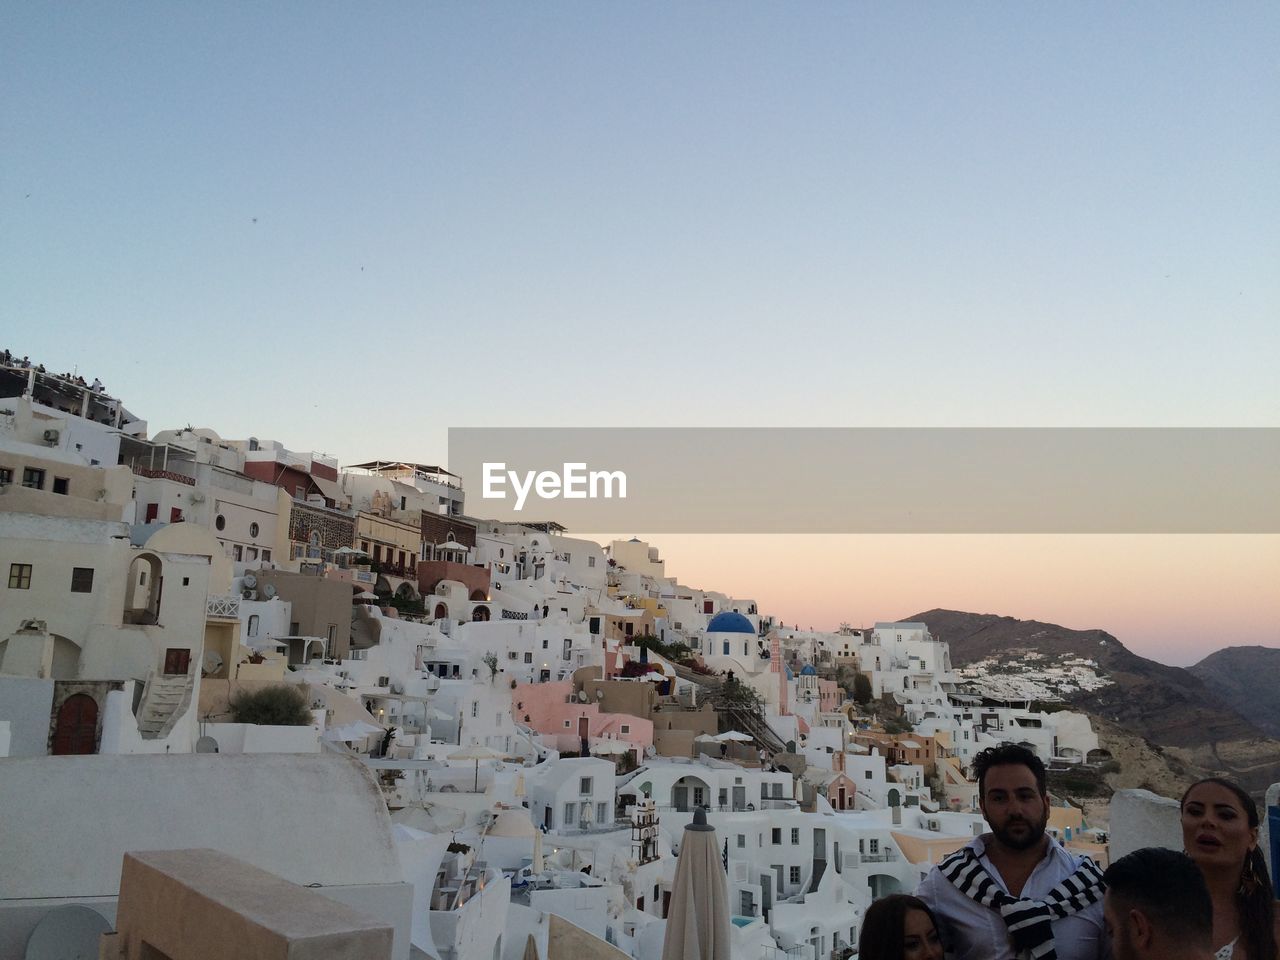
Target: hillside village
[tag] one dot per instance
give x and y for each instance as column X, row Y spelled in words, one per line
column 499, row 731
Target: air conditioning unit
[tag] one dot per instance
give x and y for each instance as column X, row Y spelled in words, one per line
column 249, row 594
column 933, row 824
column 51, row 436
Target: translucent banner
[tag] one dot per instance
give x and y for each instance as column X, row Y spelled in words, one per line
column 866, row 480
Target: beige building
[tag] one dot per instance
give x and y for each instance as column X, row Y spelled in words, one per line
column 94, row 612
column 321, row 608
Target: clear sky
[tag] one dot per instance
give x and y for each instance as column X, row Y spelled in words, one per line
column 349, row 227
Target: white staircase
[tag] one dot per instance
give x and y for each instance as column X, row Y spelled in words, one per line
column 164, row 700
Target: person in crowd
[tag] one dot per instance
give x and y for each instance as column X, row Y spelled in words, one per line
column 1220, row 833
column 899, row 927
column 1015, row 891
column 1157, row 907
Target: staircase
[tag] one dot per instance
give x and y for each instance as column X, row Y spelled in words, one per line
column 164, row 700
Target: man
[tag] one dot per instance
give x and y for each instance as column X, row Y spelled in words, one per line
column 1157, row 906
column 1015, row 892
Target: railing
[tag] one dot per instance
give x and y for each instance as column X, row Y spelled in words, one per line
column 163, row 475
column 226, row 607
column 885, row 856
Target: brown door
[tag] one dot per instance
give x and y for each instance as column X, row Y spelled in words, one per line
column 177, row 661
column 77, row 728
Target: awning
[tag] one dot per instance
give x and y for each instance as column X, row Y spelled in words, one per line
column 331, row 489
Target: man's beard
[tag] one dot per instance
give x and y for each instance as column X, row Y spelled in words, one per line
column 1023, row 841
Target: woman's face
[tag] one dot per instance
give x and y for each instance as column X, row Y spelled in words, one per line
column 1215, row 827
column 919, row 938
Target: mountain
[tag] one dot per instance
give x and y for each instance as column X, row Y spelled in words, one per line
column 1248, row 678
column 1171, row 707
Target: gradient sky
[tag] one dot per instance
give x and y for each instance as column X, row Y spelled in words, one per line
column 673, row 214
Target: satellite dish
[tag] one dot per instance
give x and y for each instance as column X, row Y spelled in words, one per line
column 206, row 745
column 250, row 581
column 269, row 590
column 211, row 663
column 69, row 932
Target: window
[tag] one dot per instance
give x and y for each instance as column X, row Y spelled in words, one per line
column 475, row 708
column 567, row 558
column 253, row 529
column 873, row 846
column 591, row 561
column 569, row 810
column 237, row 552
column 584, row 785
column 776, row 835
column 602, row 811
column 33, row 478
column 867, row 775
column 528, row 658
column 293, row 628
column 220, row 522
column 544, row 644
column 60, row 485
column 699, row 796
column 253, row 625
column 742, row 841
column 566, row 724
column 795, row 874
column 19, row 576
column 266, row 555
column 795, row 836
column 624, row 728
column 82, row 579
column 6, row 476
column 252, row 553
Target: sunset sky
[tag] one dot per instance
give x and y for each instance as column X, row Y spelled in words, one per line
column 350, row 228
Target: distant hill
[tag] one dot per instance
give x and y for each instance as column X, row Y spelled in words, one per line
column 1248, row 678
column 1169, row 706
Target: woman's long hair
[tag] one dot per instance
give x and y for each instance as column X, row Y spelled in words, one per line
column 1255, row 898
column 881, row 937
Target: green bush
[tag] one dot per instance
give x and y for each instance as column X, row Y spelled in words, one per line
column 282, row 705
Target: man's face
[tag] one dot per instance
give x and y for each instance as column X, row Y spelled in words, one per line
column 1122, row 946
column 1014, row 806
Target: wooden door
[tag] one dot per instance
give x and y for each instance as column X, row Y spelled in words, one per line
column 76, row 729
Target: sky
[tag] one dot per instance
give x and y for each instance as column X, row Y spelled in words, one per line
column 351, row 227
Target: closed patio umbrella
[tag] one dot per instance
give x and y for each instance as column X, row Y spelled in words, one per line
column 698, row 921
column 477, row 752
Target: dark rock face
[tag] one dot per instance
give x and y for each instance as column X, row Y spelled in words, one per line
column 1248, row 678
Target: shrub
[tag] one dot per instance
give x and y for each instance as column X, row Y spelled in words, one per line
column 862, row 688
column 282, row 705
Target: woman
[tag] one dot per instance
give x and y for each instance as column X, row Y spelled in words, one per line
column 899, row 927
column 1220, row 833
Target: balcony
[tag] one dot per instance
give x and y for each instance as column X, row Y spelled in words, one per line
column 222, row 608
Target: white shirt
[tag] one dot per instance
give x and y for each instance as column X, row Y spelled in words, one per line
column 971, row 931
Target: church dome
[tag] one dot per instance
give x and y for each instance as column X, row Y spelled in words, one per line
column 729, row 622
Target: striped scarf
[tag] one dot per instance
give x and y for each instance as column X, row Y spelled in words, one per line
column 1028, row 920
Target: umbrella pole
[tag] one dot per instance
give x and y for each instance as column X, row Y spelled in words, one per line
column 475, row 787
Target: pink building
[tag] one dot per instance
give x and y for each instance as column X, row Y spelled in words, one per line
column 829, row 696
column 552, row 710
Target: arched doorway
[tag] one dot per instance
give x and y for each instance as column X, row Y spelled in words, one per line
column 441, row 611
column 480, row 614
column 76, row 729
column 143, row 589
column 689, row 792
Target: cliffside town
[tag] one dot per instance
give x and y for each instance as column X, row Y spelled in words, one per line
column 477, row 732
